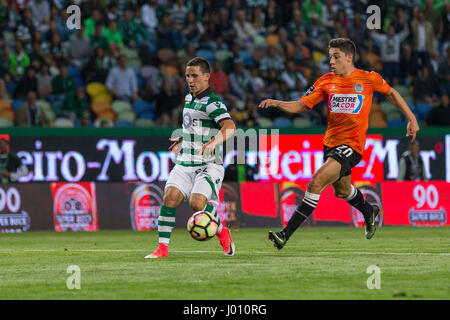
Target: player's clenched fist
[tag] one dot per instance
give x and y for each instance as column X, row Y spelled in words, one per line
column 267, row 103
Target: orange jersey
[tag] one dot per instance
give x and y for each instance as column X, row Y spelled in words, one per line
column 349, row 100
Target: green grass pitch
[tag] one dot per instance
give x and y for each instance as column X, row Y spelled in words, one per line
column 317, row 263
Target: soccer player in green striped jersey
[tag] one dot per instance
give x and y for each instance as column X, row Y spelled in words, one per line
column 198, row 173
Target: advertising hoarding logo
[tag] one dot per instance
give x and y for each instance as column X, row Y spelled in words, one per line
column 291, row 195
column 74, row 206
column 420, row 215
column 11, row 220
column 373, row 197
column 145, row 205
column 228, row 207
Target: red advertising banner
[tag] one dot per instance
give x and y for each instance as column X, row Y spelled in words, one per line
column 401, row 203
column 298, row 157
column 74, row 206
column 416, row 203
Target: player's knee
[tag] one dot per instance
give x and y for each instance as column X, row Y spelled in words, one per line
column 314, row 186
column 196, row 204
column 169, row 199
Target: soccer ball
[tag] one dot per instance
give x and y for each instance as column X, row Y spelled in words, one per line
column 202, row 226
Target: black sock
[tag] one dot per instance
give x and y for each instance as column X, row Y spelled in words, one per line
column 356, row 199
column 303, row 211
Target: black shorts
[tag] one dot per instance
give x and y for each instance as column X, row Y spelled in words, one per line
column 345, row 155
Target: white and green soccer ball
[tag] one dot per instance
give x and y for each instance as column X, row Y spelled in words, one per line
column 202, row 226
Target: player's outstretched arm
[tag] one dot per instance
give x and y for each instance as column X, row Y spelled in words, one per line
column 286, row 106
column 228, row 128
column 411, row 130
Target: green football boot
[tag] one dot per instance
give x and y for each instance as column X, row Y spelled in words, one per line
column 370, row 222
column 278, row 239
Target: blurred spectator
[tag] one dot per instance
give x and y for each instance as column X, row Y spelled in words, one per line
column 443, row 74
column 58, row 49
column 97, row 39
column 408, row 66
column 390, row 50
column 5, row 63
column 26, row 26
column 433, row 17
column 225, row 27
column 166, row 105
column 149, row 15
column 165, row 33
column 79, row 48
column 98, row 66
column 246, row 34
column 178, row 12
column 423, row 39
column 310, row 9
column 440, row 115
column 329, row 11
column 40, row 10
column 273, row 16
column 3, row 14
column 114, row 37
column 30, row 114
column 19, row 60
column 75, row 104
column 193, row 29
column 290, row 76
column 26, row 84
column 296, row 25
column 300, row 52
column 91, row 22
column 122, row 81
column 133, row 33
column 411, row 166
column 424, row 87
column 11, row 167
column 357, row 30
column 218, row 79
column 240, row 81
column 271, row 61
column 400, row 23
column 44, row 80
column 257, row 84
column 63, row 83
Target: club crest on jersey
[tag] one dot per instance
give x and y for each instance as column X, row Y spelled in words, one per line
column 358, row 87
column 197, row 106
column 345, row 103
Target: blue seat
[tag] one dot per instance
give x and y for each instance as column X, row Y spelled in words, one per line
column 147, row 115
column 282, row 122
column 73, row 71
column 140, row 106
column 247, row 58
column 124, row 123
column 422, row 110
column 17, row 104
column 207, row 54
column 395, row 123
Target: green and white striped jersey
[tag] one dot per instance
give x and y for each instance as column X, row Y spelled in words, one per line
column 201, row 117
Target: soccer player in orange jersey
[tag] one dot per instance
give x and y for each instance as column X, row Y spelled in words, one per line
column 348, row 92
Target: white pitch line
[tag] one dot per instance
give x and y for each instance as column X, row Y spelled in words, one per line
column 218, row 251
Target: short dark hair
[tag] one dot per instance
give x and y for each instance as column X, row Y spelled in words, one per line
column 345, row 45
column 200, row 62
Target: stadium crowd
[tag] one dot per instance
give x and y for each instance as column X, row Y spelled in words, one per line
column 124, row 66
